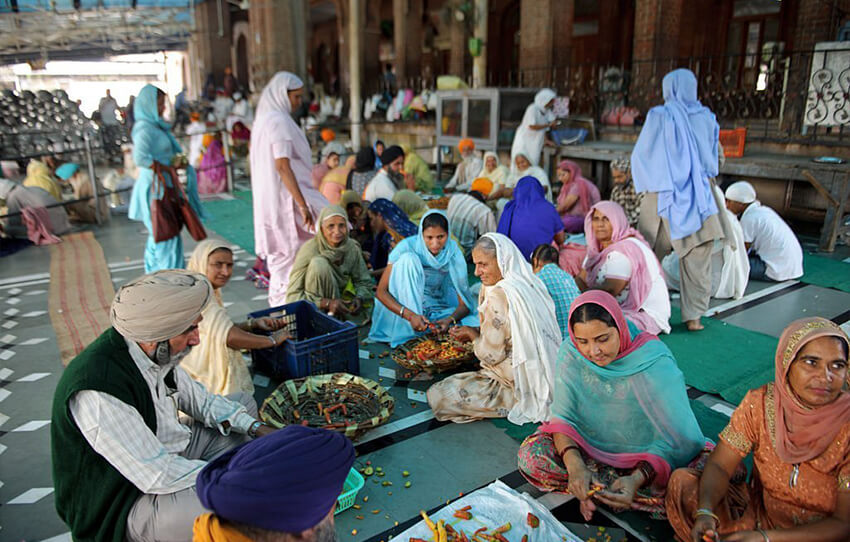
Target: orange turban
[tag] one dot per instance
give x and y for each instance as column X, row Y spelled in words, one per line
column 207, row 140
column 483, row 185
column 466, row 144
column 194, row 116
column 327, row 135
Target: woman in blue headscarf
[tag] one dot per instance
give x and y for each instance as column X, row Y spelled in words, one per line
column 674, row 162
column 388, row 225
column 529, row 220
column 154, row 147
column 425, row 284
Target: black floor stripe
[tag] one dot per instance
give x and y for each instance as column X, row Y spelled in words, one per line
column 399, row 436
column 759, row 301
column 513, row 480
column 693, row 393
column 841, row 318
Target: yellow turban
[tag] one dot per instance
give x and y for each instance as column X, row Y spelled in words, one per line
column 160, row 306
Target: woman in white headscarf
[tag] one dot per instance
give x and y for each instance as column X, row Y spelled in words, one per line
column 517, row 343
column 285, row 200
column 531, row 134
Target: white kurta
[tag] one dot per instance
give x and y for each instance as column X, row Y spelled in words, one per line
column 278, row 227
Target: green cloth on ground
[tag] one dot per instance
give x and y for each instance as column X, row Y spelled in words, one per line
column 723, row 359
column 233, row 219
column 825, row 272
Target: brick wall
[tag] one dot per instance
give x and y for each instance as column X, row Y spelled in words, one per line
column 545, row 36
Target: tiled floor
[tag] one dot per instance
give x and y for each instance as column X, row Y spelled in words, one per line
column 443, row 459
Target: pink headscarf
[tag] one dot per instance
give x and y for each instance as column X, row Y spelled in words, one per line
column 628, row 344
column 802, row 434
column 588, row 194
column 640, row 282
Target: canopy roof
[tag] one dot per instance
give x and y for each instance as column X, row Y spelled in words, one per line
column 33, row 30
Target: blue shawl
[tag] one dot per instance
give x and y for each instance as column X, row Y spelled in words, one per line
column 676, row 154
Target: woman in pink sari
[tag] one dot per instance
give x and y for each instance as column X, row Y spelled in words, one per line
column 576, row 197
column 620, row 418
column 212, row 175
column 620, row 262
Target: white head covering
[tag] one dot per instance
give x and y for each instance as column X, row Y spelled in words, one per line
column 535, row 333
column 742, row 192
column 543, row 97
column 275, row 96
column 160, row 306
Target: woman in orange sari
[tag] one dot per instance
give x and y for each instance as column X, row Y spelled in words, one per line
column 798, row 430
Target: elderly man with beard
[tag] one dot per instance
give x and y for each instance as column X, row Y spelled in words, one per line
column 124, row 460
column 279, row 488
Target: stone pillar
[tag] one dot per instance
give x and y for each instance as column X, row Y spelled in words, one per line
column 407, row 35
column 457, row 58
column 210, row 42
column 656, row 45
column 354, row 40
column 545, row 39
column 479, row 63
column 279, row 34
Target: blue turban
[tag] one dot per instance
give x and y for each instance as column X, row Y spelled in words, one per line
column 287, row 481
column 66, row 171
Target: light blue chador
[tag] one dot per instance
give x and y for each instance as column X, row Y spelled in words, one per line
column 153, row 141
column 426, row 284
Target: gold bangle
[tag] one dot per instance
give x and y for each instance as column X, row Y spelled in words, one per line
column 708, row 513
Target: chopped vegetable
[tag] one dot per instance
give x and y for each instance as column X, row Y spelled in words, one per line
column 430, row 523
column 503, row 529
column 463, row 514
column 407, row 484
column 368, row 471
column 533, row 521
column 405, row 473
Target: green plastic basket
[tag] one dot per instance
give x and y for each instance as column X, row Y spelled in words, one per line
column 353, row 483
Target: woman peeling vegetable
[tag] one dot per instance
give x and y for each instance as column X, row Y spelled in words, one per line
column 516, row 343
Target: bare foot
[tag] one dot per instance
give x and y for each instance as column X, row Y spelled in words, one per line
column 587, row 507
column 694, row 325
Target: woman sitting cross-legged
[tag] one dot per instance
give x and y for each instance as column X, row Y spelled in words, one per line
column 797, row 429
column 516, row 343
column 621, row 421
column 326, row 264
column 216, row 362
column 425, row 283
column 620, row 262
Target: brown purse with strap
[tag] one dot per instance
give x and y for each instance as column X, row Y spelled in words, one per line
column 190, row 218
column 166, row 217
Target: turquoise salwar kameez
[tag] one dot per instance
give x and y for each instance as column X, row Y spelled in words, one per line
column 425, row 284
column 153, row 142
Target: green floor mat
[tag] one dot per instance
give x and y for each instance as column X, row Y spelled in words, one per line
column 723, row 359
column 826, row 272
column 710, row 421
column 233, row 219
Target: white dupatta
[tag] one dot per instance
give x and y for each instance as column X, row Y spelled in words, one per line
column 535, row 333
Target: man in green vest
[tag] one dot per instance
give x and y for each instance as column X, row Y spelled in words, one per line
column 124, row 460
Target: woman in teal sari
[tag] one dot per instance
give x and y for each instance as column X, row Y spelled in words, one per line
column 154, row 147
column 620, row 420
column 425, row 284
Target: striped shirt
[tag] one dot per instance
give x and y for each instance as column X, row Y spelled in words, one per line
column 469, row 219
column 563, row 290
column 152, row 461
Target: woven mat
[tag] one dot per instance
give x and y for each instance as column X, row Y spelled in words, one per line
column 80, row 293
column 826, row 272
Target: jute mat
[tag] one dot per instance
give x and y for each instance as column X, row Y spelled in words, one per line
column 80, row 293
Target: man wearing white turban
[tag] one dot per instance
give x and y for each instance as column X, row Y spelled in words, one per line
column 124, row 464
column 774, row 251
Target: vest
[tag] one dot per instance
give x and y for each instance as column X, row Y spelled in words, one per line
column 92, row 497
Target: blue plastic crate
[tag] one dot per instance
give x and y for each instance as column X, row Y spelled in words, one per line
column 322, row 344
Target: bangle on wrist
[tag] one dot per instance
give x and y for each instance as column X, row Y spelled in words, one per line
column 401, row 312
column 645, row 468
column 567, row 449
column 252, row 429
column 708, row 513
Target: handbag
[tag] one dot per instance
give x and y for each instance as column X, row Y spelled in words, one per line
column 166, row 217
column 190, row 218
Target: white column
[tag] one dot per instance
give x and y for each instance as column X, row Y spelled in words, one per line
column 355, row 67
column 479, row 63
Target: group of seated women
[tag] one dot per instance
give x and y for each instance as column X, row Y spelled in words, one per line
column 616, row 424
